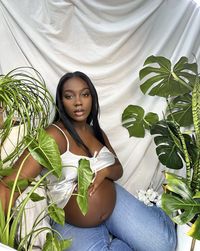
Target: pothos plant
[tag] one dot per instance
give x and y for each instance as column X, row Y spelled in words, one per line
column 176, row 134
column 26, row 103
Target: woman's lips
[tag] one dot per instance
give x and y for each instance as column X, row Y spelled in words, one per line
column 79, row 112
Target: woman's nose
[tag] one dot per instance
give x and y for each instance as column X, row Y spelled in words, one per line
column 78, row 101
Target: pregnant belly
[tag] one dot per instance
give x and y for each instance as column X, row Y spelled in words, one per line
column 100, row 206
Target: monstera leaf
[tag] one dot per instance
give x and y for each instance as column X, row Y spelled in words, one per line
column 135, row 120
column 169, row 147
column 164, row 81
column 169, row 151
column 180, row 203
column 181, row 110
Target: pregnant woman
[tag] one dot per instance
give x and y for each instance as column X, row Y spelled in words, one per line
column 116, row 220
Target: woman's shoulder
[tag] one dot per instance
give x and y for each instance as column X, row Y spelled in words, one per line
column 59, row 133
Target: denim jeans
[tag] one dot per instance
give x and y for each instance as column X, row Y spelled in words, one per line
column 133, row 225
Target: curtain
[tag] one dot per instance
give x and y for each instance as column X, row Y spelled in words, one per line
column 108, row 40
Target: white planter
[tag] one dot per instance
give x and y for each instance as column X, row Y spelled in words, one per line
column 11, row 141
column 185, row 241
column 6, row 248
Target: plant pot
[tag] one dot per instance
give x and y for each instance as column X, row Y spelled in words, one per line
column 6, row 248
column 185, row 242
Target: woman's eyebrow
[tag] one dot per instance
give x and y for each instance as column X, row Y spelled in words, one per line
column 70, row 90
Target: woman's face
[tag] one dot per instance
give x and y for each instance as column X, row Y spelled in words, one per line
column 77, row 99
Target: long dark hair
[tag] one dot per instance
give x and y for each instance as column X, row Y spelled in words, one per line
column 65, row 118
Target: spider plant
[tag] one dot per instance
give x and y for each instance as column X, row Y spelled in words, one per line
column 176, row 134
column 45, row 150
column 26, row 104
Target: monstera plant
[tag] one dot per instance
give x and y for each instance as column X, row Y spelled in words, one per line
column 176, row 133
column 25, row 109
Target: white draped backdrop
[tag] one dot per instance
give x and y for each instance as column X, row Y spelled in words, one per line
column 108, row 40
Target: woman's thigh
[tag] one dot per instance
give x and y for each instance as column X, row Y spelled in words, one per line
column 90, row 239
column 141, row 227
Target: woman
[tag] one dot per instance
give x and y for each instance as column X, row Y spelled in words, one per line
column 112, row 210
column 116, row 220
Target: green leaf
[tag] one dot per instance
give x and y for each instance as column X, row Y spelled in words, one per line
column 57, row 214
column 2, row 223
column 135, row 121
column 51, row 244
column 150, row 82
column 182, row 67
column 150, row 119
column 168, row 145
column 161, row 80
column 85, row 176
column 36, row 197
column 194, row 230
column 181, row 110
column 27, row 103
column 172, row 204
column 162, row 61
column 21, row 184
column 177, row 201
column 45, row 151
column 6, row 171
column 197, row 195
column 178, row 185
column 65, row 244
column 54, row 244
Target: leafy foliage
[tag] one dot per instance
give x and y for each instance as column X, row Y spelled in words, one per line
column 177, row 135
column 9, row 229
column 168, row 149
column 53, row 244
column 135, row 122
column 167, row 81
column 57, row 214
column 25, row 102
column 25, row 105
column 44, row 149
column 85, row 176
column 180, row 202
column 181, row 110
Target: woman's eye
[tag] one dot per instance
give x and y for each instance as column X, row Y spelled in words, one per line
column 87, row 94
column 68, row 96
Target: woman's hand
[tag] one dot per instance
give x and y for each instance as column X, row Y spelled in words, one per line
column 113, row 172
column 99, row 178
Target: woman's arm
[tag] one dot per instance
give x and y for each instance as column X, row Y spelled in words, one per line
column 113, row 172
column 31, row 168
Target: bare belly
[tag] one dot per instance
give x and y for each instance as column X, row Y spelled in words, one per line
column 100, row 206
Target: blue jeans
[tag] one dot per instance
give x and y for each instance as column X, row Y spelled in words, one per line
column 133, row 225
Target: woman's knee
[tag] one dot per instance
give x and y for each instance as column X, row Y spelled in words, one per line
column 170, row 238
column 150, row 225
column 167, row 234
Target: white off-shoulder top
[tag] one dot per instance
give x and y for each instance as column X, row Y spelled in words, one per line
column 60, row 190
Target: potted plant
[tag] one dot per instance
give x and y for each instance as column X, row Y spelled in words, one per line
column 176, row 134
column 25, row 108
